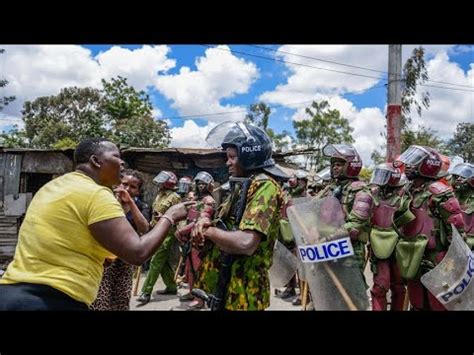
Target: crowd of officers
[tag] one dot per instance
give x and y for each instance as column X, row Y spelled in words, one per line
column 400, row 222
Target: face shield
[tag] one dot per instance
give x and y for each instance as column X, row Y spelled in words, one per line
column 325, row 174
column 463, row 170
column 300, row 174
column 204, row 177
column 228, row 133
column 380, row 176
column 184, row 185
column 341, row 151
column 161, row 178
column 413, row 156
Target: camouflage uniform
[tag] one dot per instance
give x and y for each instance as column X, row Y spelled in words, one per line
column 160, row 262
column 466, row 200
column 249, row 286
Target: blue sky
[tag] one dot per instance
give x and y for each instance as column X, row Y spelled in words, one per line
column 185, row 80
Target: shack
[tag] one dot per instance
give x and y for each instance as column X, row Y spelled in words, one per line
column 24, row 171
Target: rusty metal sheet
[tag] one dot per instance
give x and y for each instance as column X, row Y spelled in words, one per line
column 2, row 163
column 11, row 180
column 46, row 163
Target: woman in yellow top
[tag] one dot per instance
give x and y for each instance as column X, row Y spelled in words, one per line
column 73, row 223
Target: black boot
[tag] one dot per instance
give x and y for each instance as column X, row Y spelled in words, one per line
column 296, row 301
column 288, row 293
column 143, row 299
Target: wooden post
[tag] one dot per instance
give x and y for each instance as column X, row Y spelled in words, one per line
column 135, row 289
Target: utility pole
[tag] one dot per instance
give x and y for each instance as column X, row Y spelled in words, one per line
column 394, row 108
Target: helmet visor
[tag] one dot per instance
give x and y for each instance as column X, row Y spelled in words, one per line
column 464, row 170
column 227, row 133
column 325, row 174
column 161, row 177
column 412, row 156
column 341, row 151
column 184, row 186
column 300, row 174
column 204, row 177
column 380, row 176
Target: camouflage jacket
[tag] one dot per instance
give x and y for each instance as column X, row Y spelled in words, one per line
column 466, row 200
column 249, row 286
column 164, row 200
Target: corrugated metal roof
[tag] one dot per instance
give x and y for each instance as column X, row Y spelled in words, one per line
column 21, row 150
column 200, row 151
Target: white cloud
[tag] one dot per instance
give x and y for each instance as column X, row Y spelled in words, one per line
column 40, row 70
column 368, row 123
column 140, row 66
column 219, row 75
column 190, row 135
column 306, row 84
column 447, row 107
column 6, row 123
column 156, row 113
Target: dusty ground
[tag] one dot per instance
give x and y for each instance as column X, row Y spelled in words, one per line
column 171, row 302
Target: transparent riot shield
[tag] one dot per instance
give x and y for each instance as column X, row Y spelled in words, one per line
column 451, row 280
column 283, row 265
column 299, row 265
column 335, row 284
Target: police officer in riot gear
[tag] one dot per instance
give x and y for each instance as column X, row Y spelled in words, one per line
column 463, row 183
column 204, row 184
column 425, row 240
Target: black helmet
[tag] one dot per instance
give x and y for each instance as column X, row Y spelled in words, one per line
column 254, row 147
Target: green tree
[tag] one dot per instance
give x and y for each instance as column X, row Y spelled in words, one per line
column 14, row 138
column 130, row 114
column 123, row 102
column 117, row 112
column 65, row 143
column 142, row 131
column 462, row 143
column 5, row 100
column 422, row 136
column 259, row 115
column 76, row 113
column 323, row 126
column 414, row 74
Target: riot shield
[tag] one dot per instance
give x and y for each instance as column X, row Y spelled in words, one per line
column 283, row 265
column 299, row 265
column 451, row 280
column 335, row 280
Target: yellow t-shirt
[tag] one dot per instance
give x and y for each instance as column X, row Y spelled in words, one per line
column 55, row 246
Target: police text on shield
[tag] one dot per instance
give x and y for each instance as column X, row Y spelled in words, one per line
column 336, row 249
